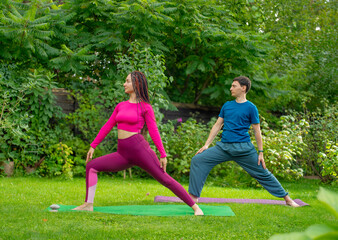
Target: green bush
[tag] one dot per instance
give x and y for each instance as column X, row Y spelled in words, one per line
column 321, row 140
column 282, row 147
column 31, row 124
column 328, row 162
column 13, row 87
column 153, row 66
column 58, row 162
column 181, row 144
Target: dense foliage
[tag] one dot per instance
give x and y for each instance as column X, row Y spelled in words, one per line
column 190, row 52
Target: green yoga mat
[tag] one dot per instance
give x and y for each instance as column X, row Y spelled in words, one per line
column 157, row 210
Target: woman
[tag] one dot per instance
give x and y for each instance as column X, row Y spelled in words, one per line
column 132, row 148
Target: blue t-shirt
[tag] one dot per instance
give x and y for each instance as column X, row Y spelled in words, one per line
column 237, row 120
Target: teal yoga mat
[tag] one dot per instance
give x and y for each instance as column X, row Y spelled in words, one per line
column 156, row 210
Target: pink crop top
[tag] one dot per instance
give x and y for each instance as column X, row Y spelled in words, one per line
column 131, row 117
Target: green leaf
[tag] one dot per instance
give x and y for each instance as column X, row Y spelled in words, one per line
column 201, row 67
column 288, row 236
column 328, row 236
column 330, row 199
column 191, row 67
column 319, row 230
column 30, row 14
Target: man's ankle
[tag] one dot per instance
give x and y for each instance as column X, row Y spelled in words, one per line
column 194, row 197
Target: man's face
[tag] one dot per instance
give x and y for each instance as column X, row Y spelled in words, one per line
column 236, row 89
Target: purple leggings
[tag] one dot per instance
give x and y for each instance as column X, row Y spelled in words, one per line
column 132, row 151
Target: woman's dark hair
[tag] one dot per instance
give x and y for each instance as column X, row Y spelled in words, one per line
column 140, row 86
column 243, row 81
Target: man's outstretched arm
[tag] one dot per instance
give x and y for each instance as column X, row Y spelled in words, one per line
column 213, row 133
column 258, row 136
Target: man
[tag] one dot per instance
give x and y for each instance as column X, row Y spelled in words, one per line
column 236, row 117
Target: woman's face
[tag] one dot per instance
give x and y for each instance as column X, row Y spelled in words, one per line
column 128, row 85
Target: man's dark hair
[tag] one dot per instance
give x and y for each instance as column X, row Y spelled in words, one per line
column 243, row 81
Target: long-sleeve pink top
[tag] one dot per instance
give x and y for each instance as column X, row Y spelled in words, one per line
column 131, row 117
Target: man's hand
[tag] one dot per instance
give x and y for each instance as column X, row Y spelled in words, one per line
column 202, row 149
column 261, row 160
column 163, row 164
column 90, row 154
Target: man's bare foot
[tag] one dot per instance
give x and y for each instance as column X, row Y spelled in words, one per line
column 85, row 207
column 290, row 202
column 197, row 210
column 194, row 198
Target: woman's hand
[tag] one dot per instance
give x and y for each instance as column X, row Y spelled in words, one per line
column 90, row 154
column 163, row 164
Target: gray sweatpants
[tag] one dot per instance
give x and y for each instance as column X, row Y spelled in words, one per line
column 243, row 154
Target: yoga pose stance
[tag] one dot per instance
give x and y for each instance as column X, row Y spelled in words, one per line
column 236, row 117
column 132, row 148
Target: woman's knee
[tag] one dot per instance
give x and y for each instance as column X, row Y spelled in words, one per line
column 166, row 180
column 89, row 166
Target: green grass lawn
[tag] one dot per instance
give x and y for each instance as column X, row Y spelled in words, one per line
column 23, row 201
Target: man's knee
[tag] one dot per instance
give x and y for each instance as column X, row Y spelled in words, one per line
column 263, row 174
column 195, row 161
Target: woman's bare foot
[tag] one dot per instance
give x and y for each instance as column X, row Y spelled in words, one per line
column 85, row 207
column 290, row 202
column 197, row 210
column 194, row 198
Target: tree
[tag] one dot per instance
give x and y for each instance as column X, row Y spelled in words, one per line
column 208, row 48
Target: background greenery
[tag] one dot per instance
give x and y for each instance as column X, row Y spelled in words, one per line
column 190, row 52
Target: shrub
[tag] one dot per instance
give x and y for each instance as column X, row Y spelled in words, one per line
column 181, row 144
column 58, row 162
column 321, row 139
column 31, row 118
column 281, row 148
column 328, row 162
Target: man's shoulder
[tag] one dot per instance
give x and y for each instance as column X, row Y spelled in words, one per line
column 251, row 104
column 229, row 102
column 246, row 105
column 252, row 107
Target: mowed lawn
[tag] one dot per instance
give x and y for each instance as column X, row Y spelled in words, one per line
column 23, row 202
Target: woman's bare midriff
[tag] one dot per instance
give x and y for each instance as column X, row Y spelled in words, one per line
column 122, row 134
